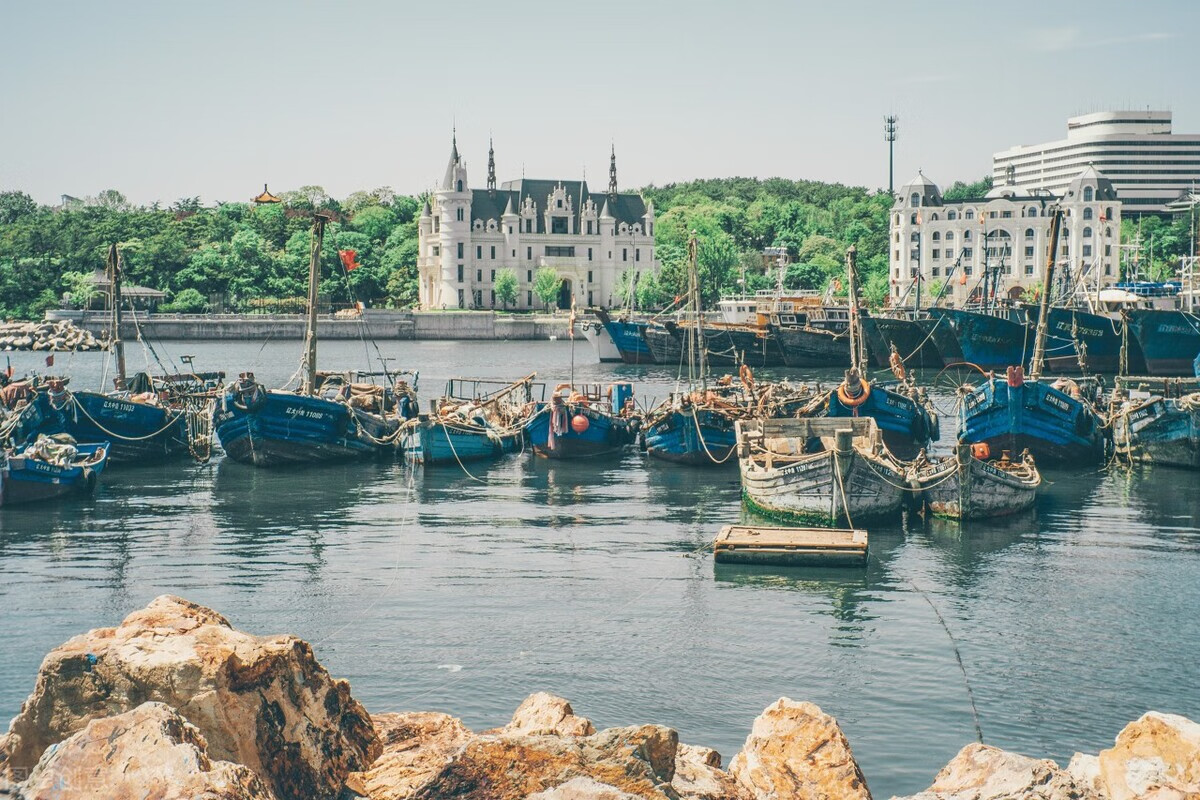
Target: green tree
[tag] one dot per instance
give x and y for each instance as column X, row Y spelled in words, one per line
column 506, row 286
column 80, row 287
column 546, row 285
column 968, row 191
column 187, row 301
column 14, row 206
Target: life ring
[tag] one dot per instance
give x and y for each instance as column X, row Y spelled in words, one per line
column 560, row 387
column 845, row 399
column 746, row 376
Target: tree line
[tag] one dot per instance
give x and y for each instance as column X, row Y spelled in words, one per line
column 244, row 256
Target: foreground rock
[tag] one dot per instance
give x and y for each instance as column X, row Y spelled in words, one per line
column 148, row 752
column 797, row 750
column 980, row 772
column 61, row 335
column 1157, row 756
column 263, row 702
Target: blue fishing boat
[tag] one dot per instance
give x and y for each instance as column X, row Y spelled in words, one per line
column 1169, row 339
column 330, row 418
column 626, row 335
column 1080, row 341
column 990, row 340
column 1159, row 430
column 47, row 469
column 472, row 421
column 139, row 426
column 904, row 415
column 1052, row 421
column 583, row 422
column 689, row 433
column 1196, row 365
column 1055, row 422
column 904, row 334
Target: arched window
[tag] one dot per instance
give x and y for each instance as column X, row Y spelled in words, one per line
column 916, row 237
column 896, row 221
column 1087, row 233
column 1108, row 215
column 951, row 215
column 460, row 215
column 969, row 214
column 897, row 237
column 1108, row 232
column 934, row 216
column 1029, row 233
column 1087, row 213
column 937, row 237
column 966, row 236
column 1033, row 211
column 913, row 219
column 949, row 236
column 1088, row 194
column 915, row 200
column 459, row 186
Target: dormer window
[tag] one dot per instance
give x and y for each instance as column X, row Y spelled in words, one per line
column 916, row 199
column 558, row 224
column 1087, row 194
column 559, row 203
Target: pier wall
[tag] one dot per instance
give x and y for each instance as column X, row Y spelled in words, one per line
column 375, row 324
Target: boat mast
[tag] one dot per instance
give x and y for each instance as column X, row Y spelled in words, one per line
column 314, row 280
column 856, row 355
column 1039, row 341
column 694, row 287
column 115, row 345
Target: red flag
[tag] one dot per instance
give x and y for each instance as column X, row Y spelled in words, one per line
column 918, row 217
column 348, row 259
column 962, row 278
column 50, row 360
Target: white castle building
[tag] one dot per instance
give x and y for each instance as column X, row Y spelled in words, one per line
column 948, row 244
column 1149, row 165
column 589, row 239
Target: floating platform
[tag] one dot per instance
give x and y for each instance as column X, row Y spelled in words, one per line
column 790, row 547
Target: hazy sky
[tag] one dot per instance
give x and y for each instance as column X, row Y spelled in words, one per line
column 167, row 99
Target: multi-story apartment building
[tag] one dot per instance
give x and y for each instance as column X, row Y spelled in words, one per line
column 588, row 238
column 1148, row 165
column 947, row 244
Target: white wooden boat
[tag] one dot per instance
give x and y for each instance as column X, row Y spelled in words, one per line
column 820, row 471
column 965, row 486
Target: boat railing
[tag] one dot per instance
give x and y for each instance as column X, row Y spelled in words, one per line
column 484, row 389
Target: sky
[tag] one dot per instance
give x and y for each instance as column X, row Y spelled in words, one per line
column 163, row 100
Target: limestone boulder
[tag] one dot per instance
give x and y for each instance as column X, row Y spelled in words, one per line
column 583, row 789
column 1155, row 756
column 698, row 776
column 980, row 772
column 264, row 702
column 637, row 761
column 149, row 752
column 544, row 714
column 797, row 750
column 1084, row 769
column 416, row 746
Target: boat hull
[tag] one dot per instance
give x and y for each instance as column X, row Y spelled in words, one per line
column 626, row 336
column 30, row 480
column 602, row 343
column 1169, row 340
column 812, row 347
column 906, row 425
column 430, row 441
column 913, row 343
column 941, row 332
column 605, row 434
column 698, row 437
column 281, row 428
column 1079, row 341
column 1033, row 415
column 974, row 489
column 137, row 432
column 990, row 342
column 1160, row 431
column 810, row 490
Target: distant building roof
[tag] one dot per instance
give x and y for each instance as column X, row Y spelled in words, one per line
column 104, row 285
column 486, row 204
column 266, row 197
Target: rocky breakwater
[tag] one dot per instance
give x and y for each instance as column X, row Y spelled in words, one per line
column 175, row 703
column 53, row 336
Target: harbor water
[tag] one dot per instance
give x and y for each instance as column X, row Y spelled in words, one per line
column 443, row 589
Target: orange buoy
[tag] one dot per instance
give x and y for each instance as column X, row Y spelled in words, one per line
column 981, row 451
column 579, row 423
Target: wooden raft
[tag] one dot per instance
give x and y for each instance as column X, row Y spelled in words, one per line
column 790, row 547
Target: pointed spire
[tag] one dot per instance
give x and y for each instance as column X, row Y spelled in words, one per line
column 612, row 173
column 508, row 207
column 448, row 181
column 491, row 183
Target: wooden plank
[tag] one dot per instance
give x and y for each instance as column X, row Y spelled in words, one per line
column 776, row 546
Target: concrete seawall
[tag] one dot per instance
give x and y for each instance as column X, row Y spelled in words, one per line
column 375, row 324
